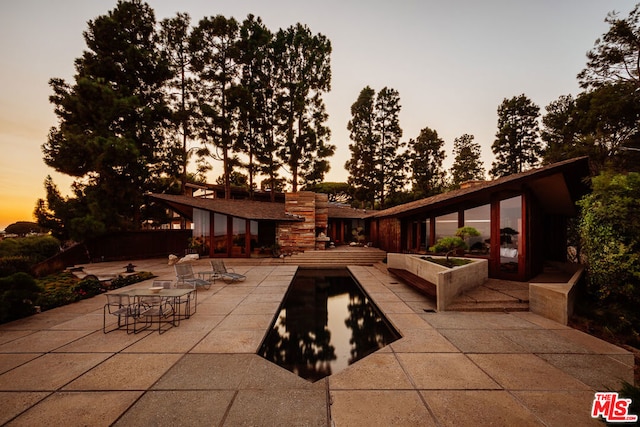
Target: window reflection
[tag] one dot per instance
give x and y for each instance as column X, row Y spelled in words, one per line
column 239, row 234
column 325, row 324
column 480, row 219
column 220, row 234
column 510, row 232
column 201, row 231
column 446, row 225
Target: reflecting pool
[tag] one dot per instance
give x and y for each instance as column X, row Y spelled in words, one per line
column 325, row 323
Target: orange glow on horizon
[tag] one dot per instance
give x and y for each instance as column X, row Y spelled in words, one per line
column 14, row 210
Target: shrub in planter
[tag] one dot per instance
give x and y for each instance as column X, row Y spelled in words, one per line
column 448, row 245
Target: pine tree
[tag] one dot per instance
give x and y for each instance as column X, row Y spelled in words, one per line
column 426, row 156
column 302, row 71
column 517, row 147
column 363, row 149
column 467, row 165
column 112, row 120
column 389, row 162
column 214, row 47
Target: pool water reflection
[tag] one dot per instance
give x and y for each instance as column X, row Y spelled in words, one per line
column 325, row 323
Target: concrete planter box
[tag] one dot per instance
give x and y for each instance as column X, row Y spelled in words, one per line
column 555, row 300
column 450, row 282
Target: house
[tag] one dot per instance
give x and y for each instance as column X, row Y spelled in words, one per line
column 522, row 220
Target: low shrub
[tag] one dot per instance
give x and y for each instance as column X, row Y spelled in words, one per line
column 21, row 293
column 14, row 264
column 57, row 290
column 36, row 248
column 122, row 281
column 89, row 287
column 17, row 295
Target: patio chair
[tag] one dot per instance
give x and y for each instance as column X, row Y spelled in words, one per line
column 122, row 307
column 154, row 309
column 227, row 274
column 182, row 306
column 186, row 276
column 166, row 284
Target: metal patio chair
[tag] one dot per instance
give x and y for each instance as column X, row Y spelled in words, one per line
column 121, row 306
column 154, row 309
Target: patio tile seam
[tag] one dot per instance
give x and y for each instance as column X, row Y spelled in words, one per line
column 9, row 421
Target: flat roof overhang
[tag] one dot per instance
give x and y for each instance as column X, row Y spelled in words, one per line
column 244, row 209
column 557, row 187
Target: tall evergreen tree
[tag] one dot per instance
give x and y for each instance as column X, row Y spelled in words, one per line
column 560, row 130
column 517, row 146
column 616, row 56
column 174, row 40
column 390, row 163
column 112, row 119
column 214, row 47
column 612, row 75
column 467, row 165
column 303, row 72
column 598, row 123
column 426, row 156
column 363, row 149
column 377, row 166
column 256, row 123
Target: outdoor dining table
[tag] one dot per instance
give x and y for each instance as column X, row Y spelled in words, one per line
column 176, row 295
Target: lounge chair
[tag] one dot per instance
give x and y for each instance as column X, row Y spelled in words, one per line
column 227, row 274
column 186, row 276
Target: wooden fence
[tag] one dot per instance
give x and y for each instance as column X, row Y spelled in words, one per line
column 119, row 246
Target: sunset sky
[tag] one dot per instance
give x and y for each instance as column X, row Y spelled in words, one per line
column 453, row 62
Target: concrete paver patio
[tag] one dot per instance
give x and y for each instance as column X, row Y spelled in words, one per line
column 449, row 368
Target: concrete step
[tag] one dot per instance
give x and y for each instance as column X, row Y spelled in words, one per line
column 351, row 256
column 493, row 306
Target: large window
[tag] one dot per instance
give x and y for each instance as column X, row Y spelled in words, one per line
column 219, row 234
column 446, row 225
column 201, row 231
column 239, row 236
column 254, row 235
column 510, row 233
column 480, row 219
